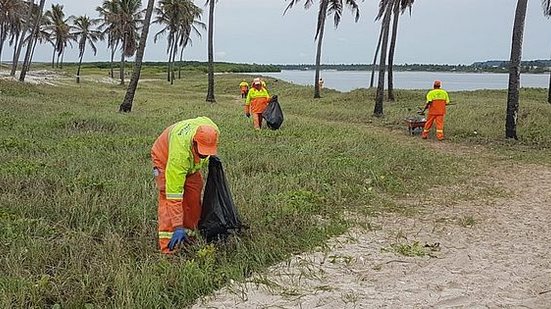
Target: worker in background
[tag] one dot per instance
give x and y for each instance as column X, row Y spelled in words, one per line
column 256, row 102
column 178, row 155
column 264, row 84
column 321, row 83
column 437, row 99
column 244, row 87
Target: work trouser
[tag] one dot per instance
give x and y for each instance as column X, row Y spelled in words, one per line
column 439, row 119
column 257, row 120
column 191, row 201
column 244, row 93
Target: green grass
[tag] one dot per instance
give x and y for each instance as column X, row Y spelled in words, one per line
column 78, row 202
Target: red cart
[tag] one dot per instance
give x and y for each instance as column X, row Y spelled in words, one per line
column 415, row 124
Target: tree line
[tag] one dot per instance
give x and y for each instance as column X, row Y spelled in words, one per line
column 124, row 25
column 533, row 66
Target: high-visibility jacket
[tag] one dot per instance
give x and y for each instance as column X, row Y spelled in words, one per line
column 180, row 161
column 257, row 100
column 438, row 99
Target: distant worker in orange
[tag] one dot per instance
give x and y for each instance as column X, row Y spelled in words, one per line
column 244, row 87
column 256, row 102
column 178, row 155
column 437, row 99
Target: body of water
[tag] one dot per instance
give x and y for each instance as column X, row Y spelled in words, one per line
column 349, row 80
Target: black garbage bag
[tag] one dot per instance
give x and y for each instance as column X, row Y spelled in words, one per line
column 273, row 114
column 219, row 216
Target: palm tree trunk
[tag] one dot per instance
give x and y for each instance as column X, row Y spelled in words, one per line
column 549, row 90
column 62, row 57
column 121, row 69
column 378, row 110
column 30, row 44
column 111, row 70
column 391, row 51
column 126, row 105
column 174, row 52
column 514, row 70
column 169, row 58
column 376, row 54
column 210, row 91
column 21, row 39
column 3, row 36
column 17, row 52
column 53, row 59
column 321, row 23
column 34, row 47
column 180, row 64
column 78, row 70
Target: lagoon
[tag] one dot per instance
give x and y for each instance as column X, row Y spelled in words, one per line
column 349, row 80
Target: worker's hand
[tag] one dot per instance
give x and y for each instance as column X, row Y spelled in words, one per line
column 178, row 236
column 248, row 115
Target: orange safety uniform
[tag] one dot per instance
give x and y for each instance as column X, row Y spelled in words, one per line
column 256, row 103
column 177, row 174
column 437, row 99
column 244, row 87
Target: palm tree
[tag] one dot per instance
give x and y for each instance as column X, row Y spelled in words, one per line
column 60, row 28
column 128, row 21
column 126, row 105
column 109, row 11
column 10, row 16
column 400, row 7
column 377, row 49
column 180, row 17
column 514, row 71
column 32, row 41
column 210, row 91
column 546, row 4
column 19, row 30
column 326, row 8
column 385, row 9
column 43, row 36
column 85, row 33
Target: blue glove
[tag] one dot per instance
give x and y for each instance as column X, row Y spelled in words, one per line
column 178, row 236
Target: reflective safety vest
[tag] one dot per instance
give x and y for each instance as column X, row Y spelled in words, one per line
column 438, row 99
column 181, row 161
column 257, row 100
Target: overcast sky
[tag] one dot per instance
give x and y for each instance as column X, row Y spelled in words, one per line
column 438, row 31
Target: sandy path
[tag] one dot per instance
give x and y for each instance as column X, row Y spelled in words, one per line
column 494, row 252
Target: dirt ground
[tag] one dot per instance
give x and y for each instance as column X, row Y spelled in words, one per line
column 491, row 249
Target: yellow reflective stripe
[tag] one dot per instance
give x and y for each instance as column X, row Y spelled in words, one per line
column 174, row 196
column 425, row 130
column 164, row 235
column 168, row 235
column 439, row 131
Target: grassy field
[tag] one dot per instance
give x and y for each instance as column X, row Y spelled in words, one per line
column 78, row 202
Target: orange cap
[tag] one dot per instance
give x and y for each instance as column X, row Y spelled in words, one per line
column 437, row 84
column 206, row 138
